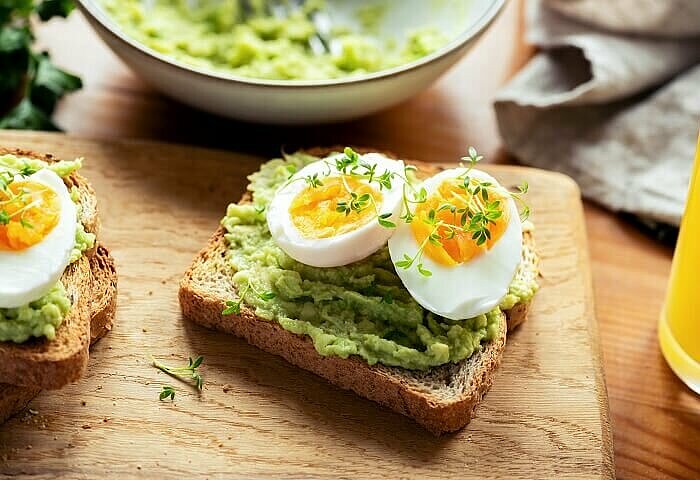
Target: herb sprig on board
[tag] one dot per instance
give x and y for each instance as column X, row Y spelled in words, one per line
column 30, row 84
column 167, row 391
column 184, row 373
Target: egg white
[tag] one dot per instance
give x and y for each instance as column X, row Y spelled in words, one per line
column 29, row 274
column 341, row 249
column 468, row 289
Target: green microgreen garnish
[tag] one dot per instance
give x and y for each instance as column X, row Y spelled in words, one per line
column 351, row 165
column 475, row 219
column 234, row 307
column 21, row 201
column 291, row 169
column 25, row 224
column 183, row 373
column 382, row 219
column 433, row 237
column 349, row 160
column 472, row 157
column 313, row 180
column 27, row 169
column 523, row 188
column 5, row 179
column 357, row 203
column 167, row 391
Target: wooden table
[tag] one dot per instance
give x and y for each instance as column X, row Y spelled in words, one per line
column 656, row 418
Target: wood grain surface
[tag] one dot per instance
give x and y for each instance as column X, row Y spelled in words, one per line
column 546, row 415
column 656, row 419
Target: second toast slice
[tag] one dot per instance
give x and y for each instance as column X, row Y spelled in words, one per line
column 442, row 399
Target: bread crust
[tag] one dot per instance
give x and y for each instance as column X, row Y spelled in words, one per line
column 104, row 293
column 392, row 387
column 13, row 399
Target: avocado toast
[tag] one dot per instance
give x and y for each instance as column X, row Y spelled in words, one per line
column 53, row 357
column 441, row 397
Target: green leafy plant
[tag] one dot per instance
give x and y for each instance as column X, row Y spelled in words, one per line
column 30, row 84
column 183, row 373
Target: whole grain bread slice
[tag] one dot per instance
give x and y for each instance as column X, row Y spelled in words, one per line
column 14, row 399
column 442, row 400
column 40, row 363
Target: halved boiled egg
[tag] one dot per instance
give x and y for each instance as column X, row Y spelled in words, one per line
column 465, row 271
column 326, row 217
column 37, row 233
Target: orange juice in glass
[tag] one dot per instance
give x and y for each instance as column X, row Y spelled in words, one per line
column 679, row 327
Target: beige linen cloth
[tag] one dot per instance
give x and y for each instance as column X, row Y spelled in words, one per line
column 612, row 99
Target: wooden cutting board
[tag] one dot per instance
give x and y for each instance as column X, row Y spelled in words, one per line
column 545, row 417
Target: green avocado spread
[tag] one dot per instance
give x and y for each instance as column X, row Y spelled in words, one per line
column 252, row 41
column 359, row 309
column 43, row 316
column 39, row 318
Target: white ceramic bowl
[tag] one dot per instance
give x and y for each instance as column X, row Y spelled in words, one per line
column 318, row 101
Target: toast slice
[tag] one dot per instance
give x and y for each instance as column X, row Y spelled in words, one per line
column 442, row 399
column 14, row 399
column 40, row 363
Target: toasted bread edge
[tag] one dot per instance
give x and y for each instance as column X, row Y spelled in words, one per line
column 14, row 399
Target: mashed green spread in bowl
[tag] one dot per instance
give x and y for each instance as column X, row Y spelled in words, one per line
column 265, row 67
column 43, row 316
column 222, row 36
column 359, row 309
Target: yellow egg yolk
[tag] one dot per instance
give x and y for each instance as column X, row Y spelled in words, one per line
column 28, row 212
column 461, row 247
column 314, row 210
